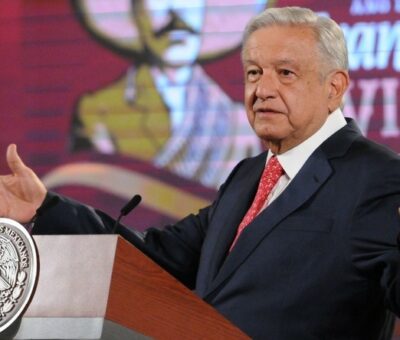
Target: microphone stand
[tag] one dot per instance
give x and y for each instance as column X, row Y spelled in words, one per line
column 126, row 209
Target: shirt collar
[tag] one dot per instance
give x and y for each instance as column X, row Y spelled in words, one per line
column 293, row 159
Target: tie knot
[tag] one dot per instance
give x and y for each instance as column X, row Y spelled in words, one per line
column 274, row 168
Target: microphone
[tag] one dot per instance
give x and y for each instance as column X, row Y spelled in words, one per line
column 126, row 209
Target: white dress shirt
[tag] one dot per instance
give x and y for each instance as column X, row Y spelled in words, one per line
column 293, row 159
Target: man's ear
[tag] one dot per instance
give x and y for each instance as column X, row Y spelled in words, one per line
column 338, row 84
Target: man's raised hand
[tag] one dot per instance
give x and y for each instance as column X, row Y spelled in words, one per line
column 21, row 191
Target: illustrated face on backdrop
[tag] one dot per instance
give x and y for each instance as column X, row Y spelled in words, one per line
column 167, row 109
column 170, row 29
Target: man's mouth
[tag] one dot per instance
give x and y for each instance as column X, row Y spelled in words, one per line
column 265, row 110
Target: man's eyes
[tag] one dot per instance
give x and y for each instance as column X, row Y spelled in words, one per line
column 253, row 74
column 286, row 72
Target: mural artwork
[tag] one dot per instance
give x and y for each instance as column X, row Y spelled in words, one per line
column 114, row 98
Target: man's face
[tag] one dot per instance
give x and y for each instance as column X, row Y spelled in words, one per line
column 176, row 26
column 286, row 96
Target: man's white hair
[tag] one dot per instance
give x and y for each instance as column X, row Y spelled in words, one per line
column 330, row 38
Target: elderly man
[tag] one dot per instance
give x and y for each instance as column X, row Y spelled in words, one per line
column 300, row 242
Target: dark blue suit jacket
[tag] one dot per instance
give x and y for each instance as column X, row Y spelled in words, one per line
column 321, row 262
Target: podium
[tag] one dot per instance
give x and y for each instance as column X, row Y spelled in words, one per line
column 102, row 287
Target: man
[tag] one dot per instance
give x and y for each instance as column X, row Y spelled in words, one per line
column 315, row 259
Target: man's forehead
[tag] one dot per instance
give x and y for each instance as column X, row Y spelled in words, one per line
column 279, row 40
column 249, row 59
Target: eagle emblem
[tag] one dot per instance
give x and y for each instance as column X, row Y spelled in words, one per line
column 8, row 264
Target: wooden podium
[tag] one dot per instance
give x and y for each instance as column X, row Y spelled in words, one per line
column 102, row 287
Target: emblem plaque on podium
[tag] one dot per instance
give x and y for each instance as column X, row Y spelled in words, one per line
column 18, row 270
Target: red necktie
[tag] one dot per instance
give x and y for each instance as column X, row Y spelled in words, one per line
column 270, row 176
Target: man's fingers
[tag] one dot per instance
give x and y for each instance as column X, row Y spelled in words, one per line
column 14, row 162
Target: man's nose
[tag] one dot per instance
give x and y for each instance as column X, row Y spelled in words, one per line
column 267, row 86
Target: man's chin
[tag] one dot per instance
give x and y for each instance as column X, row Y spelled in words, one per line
column 268, row 136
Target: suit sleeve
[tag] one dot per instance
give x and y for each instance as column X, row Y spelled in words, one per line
column 175, row 247
column 375, row 230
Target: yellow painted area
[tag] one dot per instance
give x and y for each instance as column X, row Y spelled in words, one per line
column 139, row 129
column 157, row 195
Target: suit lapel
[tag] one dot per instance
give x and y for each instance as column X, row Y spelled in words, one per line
column 311, row 177
column 236, row 201
column 313, row 174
